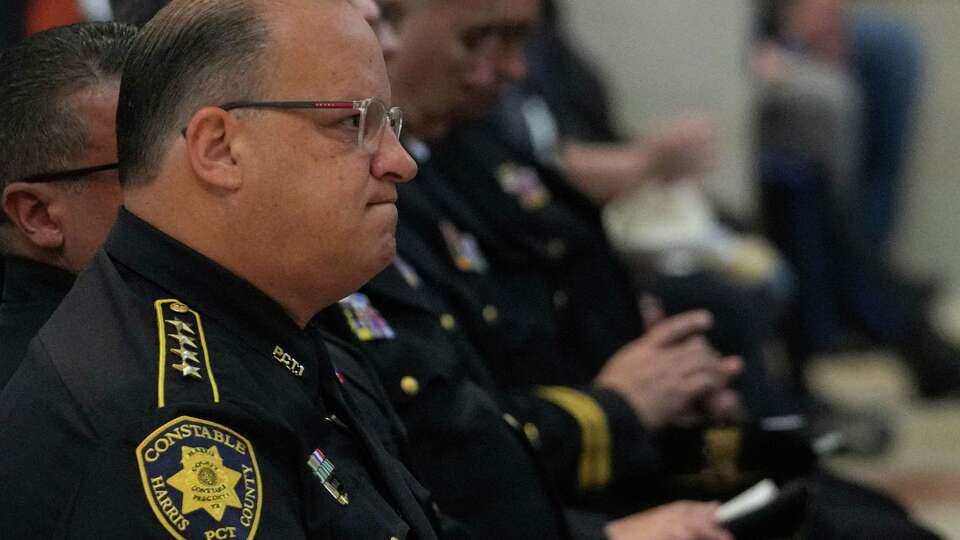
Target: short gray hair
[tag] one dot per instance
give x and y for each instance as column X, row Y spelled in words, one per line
column 191, row 54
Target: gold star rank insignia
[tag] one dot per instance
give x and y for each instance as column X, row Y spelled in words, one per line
column 201, row 479
column 183, row 349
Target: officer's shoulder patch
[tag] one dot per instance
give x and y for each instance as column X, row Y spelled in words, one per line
column 201, row 480
column 183, row 353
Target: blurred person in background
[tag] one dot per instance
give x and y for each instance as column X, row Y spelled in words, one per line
column 836, row 104
column 875, row 62
column 57, row 169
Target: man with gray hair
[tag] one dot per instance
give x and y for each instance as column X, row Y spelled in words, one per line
column 58, row 93
column 180, row 390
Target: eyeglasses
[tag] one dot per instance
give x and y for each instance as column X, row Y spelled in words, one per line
column 72, row 174
column 374, row 115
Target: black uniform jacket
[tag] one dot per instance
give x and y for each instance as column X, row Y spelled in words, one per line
column 587, row 436
column 168, row 397
column 31, row 291
column 476, row 460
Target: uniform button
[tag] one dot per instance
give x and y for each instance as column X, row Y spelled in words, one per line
column 394, row 538
column 490, row 314
column 410, row 385
column 560, row 299
column 532, row 433
column 556, row 248
column 511, row 420
column 448, row 322
column 179, row 308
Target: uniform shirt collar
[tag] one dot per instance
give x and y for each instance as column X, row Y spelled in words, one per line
column 201, row 283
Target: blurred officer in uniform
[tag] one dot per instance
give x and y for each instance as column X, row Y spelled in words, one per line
column 58, row 90
column 597, row 428
column 478, row 461
column 505, row 240
column 179, row 389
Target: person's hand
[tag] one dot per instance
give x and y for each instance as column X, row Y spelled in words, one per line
column 664, row 373
column 681, row 149
column 675, row 521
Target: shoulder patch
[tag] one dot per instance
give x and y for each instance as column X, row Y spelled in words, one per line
column 201, row 480
column 183, row 348
column 365, row 321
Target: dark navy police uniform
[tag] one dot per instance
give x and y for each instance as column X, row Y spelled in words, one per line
column 31, row 292
column 167, row 397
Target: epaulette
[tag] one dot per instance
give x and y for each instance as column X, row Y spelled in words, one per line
column 184, row 369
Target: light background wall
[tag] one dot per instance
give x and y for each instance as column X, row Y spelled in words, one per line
column 670, row 57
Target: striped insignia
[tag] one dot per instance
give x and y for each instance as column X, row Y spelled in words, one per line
column 524, row 184
column 464, row 249
column 182, row 347
column 323, row 469
column 365, row 321
column 595, row 467
column 409, row 274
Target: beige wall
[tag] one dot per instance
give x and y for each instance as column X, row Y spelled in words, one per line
column 665, row 57
column 670, row 57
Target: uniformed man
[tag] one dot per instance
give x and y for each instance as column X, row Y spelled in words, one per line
column 478, row 469
column 179, row 389
column 58, row 91
column 591, row 432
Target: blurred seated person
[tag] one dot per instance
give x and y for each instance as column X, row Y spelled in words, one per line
column 559, row 113
column 835, row 107
column 846, row 83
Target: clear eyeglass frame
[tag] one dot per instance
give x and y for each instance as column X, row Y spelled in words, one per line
column 374, row 115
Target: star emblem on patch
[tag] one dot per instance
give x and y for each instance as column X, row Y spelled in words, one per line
column 204, row 481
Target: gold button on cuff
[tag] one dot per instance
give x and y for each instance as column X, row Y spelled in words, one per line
column 448, row 322
column 394, row 538
column 179, row 308
column 560, row 299
column 410, row 385
column 490, row 314
column 532, row 433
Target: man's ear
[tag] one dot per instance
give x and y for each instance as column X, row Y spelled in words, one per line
column 34, row 209
column 210, row 137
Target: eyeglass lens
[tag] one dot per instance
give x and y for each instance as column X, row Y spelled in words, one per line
column 377, row 117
